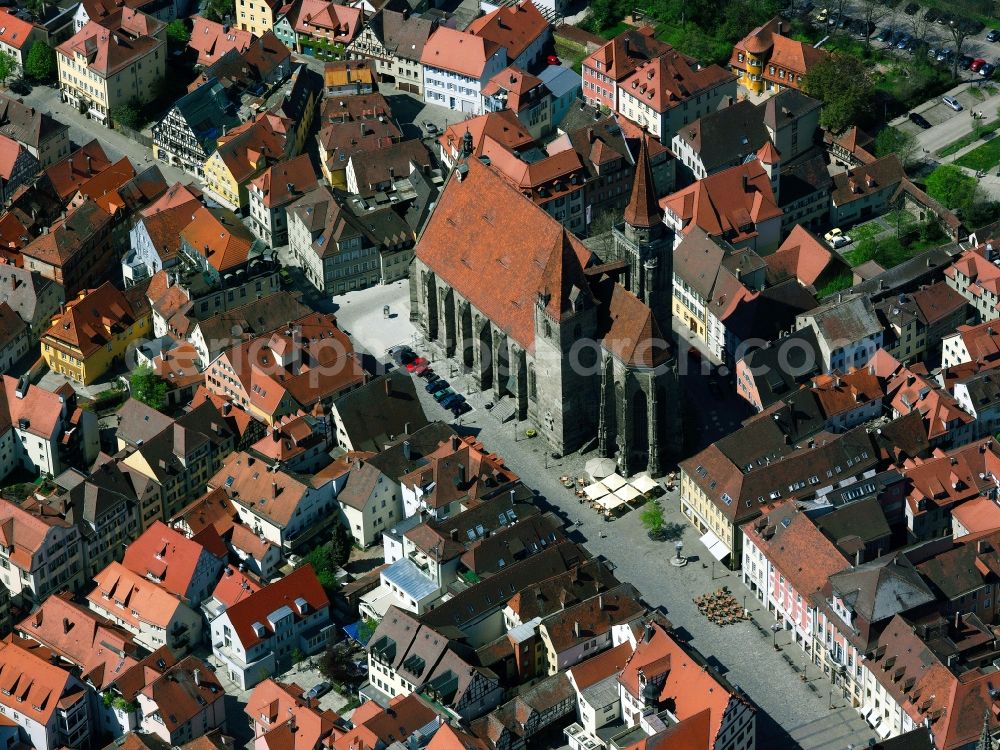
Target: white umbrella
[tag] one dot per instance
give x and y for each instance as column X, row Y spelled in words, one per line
column 596, row 491
column 598, row 468
column 644, row 483
column 628, row 493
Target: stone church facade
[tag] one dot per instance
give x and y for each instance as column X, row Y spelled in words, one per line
column 520, row 303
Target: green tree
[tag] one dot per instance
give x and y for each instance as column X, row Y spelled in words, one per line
column 219, row 10
column 844, row 84
column 7, row 66
column 952, row 187
column 148, row 387
column 340, row 545
column 895, row 141
column 177, row 32
column 40, row 64
column 652, row 517
column 128, row 114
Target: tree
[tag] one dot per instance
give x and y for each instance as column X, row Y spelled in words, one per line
column 949, row 185
column 219, row 10
column 177, row 33
column 652, row 518
column 148, row 387
column 959, row 30
column 340, row 545
column 872, row 12
column 7, row 66
column 128, row 114
column 336, row 663
column 894, row 141
column 842, row 82
column 40, row 64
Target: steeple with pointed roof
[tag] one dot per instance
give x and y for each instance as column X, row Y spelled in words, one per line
column 643, row 210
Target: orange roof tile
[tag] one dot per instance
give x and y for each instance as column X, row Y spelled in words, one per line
column 513, row 27
column 122, row 592
column 218, row 235
column 503, row 279
column 167, row 555
column 458, row 52
column 212, row 39
column 299, row 584
column 670, row 79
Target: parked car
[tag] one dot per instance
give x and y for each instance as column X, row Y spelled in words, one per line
column 987, row 70
column 838, row 232
column 442, row 395
column 943, row 54
column 971, row 26
column 460, row 408
column 953, row 102
column 438, row 385
column 822, row 15
column 552, row 60
column 402, row 355
column 993, row 36
column 884, row 35
column 431, row 128
column 931, row 15
column 965, row 62
column 453, row 399
column 920, row 121
column 840, row 240
column 977, row 64
column 911, row 9
column 318, row 690
column 414, row 363
column 904, row 41
column 945, row 17
column 844, row 22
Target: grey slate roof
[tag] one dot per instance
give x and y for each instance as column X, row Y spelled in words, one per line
column 209, row 112
column 372, row 418
column 728, row 134
column 882, row 588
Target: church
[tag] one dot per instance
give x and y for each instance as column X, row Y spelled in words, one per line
column 579, row 347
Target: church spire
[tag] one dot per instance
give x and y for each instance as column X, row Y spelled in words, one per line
column 642, row 209
column 985, row 743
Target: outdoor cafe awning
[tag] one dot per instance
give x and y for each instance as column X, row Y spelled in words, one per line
column 644, row 483
column 716, row 547
column 613, row 482
column 610, row 502
column 596, row 491
column 628, row 493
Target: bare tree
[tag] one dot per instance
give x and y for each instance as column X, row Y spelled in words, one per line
column 920, row 28
column 872, row 12
column 959, row 31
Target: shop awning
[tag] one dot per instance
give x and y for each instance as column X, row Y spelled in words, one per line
column 610, row 502
column 716, row 547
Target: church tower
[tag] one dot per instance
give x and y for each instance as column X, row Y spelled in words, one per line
column 643, row 241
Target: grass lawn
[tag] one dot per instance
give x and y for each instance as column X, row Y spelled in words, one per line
column 567, row 50
column 984, row 157
column 905, row 218
column 977, row 93
column 613, row 31
column 967, row 140
column 865, row 231
column 841, row 281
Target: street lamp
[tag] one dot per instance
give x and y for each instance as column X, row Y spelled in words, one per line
column 774, row 636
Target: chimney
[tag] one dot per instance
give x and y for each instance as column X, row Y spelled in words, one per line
column 600, row 602
column 388, row 387
column 576, row 629
column 408, row 428
column 275, row 434
column 454, row 442
column 407, row 452
column 226, row 408
column 196, row 673
column 67, row 625
column 454, row 535
column 746, row 184
column 274, row 488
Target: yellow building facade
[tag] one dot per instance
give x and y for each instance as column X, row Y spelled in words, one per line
column 255, row 16
column 219, row 180
column 85, row 340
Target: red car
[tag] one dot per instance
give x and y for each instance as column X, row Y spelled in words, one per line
column 421, row 369
column 411, row 366
column 552, row 60
column 977, row 64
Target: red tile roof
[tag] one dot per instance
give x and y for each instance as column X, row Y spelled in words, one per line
column 219, row 236
column 286, row 720
column 120, row 592
column 166, row 555
column 458, row 52
column 234, row 586
column 513, row 27
column 14, row 31
column 212, row 40
column 670, row 79
column 68, row 174
column 623, row 54
column 721, row 204
column 115, row 42
column 301, row 583
column 93, row 319
column 503, row 279
column 286, row 181
column 99, row 648
column 30, row 685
